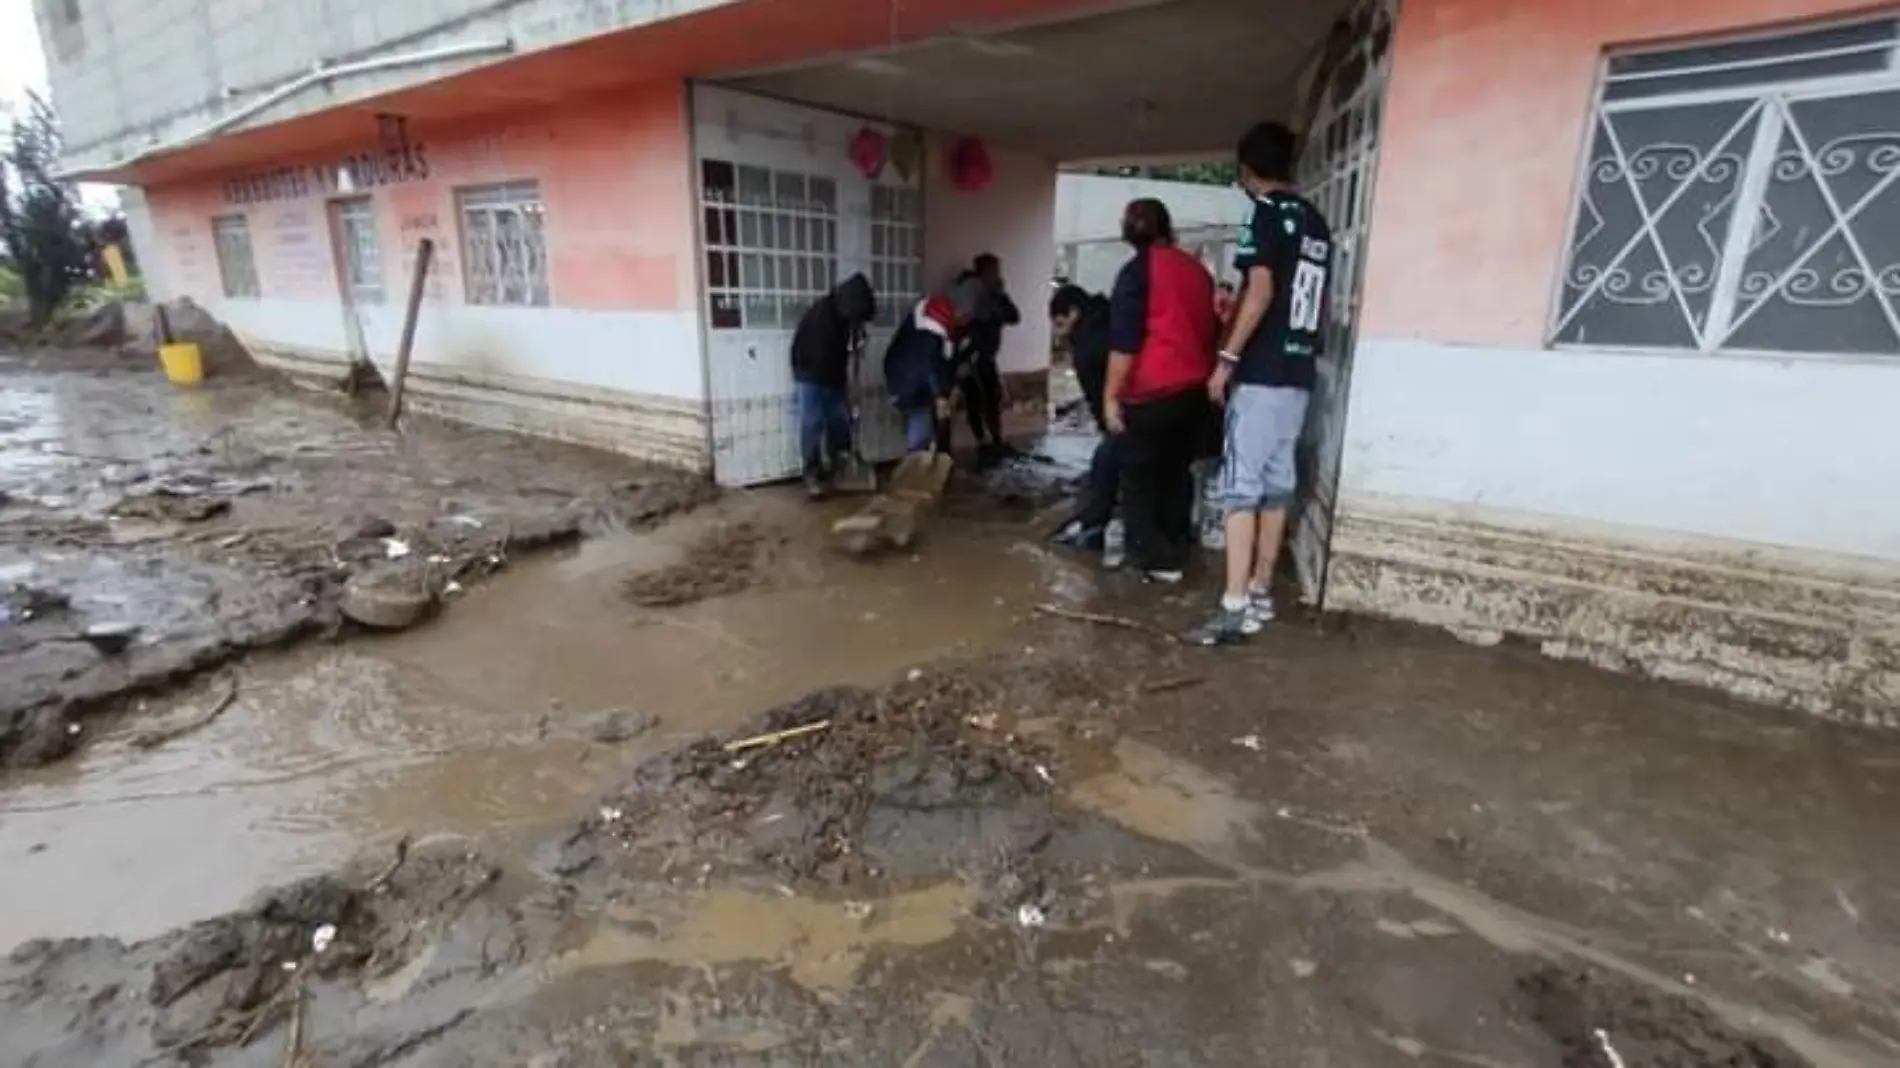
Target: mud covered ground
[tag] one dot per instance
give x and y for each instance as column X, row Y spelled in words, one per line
column 194, row 526
column 1011, row 839
column 1359, row 845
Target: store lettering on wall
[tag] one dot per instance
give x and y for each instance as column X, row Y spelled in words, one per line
column 397, row 159
column 412, row 228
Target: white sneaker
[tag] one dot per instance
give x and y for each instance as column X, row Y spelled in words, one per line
column 1259, row 612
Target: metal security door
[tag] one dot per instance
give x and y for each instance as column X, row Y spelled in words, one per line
column 771, row 241
column 1336, row 172
column 895, row 266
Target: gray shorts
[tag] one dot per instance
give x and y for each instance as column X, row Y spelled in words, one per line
column 1258, row 470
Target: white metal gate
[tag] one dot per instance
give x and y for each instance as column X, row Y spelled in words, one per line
column 784, row 217
column 1337, row 170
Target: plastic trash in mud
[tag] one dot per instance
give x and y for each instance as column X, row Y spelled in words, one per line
column 323, row 938
column 395, row 548
column 1031, row 917
column 1251, row 741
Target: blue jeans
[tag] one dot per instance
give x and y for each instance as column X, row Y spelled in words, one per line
column 824, row 427
column 920, row 429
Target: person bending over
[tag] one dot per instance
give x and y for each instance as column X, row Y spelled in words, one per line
column 829, row 337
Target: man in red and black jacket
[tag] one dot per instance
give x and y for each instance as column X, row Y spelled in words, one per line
column 1162, row 334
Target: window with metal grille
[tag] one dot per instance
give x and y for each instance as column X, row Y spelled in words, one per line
column 504, row 244
column 897, row 251
column 771, row 241
column 237, row 267
column 1740, row 195
column 361, row 252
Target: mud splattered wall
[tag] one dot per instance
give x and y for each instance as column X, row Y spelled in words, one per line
column 1483, row 133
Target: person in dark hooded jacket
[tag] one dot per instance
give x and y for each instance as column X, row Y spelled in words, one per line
column 919, row 374
column 829, row 337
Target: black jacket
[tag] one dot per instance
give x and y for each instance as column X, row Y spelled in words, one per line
column 1088, row 353
column 829, row 332
column 989, row 313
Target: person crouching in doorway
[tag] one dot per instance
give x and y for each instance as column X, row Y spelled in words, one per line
column 1266, row 374
column 919, row 375
column 1162, row 338
column 828, row 340
column 1079, row 320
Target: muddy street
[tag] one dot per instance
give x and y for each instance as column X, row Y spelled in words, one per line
column 694, row 790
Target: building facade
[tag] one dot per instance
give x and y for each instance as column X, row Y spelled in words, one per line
column 1615, row 296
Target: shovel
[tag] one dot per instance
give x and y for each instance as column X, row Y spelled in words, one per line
column 858, row 476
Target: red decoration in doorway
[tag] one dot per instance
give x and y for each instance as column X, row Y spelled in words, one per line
column 970, row 167
column 868, row 152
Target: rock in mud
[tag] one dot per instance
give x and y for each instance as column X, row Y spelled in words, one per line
column 170, row 506
column 388, row 598
column 1581, row 1010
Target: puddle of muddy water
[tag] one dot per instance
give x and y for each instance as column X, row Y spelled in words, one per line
column 821, row 944
column 476, row 724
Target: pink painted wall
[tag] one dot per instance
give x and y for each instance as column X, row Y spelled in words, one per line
column 613, row 173
column 1013, row 218
column 1482, row 137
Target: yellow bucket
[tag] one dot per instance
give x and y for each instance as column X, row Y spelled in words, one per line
column 183, row 363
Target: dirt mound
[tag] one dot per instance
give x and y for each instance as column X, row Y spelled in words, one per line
column 729, row 559
column 230, row 981
column 1590, row 1013
column 849, row 784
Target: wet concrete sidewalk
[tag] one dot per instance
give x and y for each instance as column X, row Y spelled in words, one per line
column 961, row 833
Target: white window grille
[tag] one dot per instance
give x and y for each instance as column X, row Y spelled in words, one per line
column 771, row 242
column 897, row 251
column 504, row 244
column 237, row 266
column 1741, row 195
column 361, row 250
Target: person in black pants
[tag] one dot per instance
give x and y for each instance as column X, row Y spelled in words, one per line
column 1162, row 333
column 1079, row 320
column 983, row 299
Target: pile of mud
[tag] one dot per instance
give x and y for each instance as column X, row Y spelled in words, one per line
column 231, row 981
column 1598, row 1019
column 923, row 779
column 728, row 560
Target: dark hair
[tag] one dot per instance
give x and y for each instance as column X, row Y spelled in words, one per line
column 985, row 263
column 1068, row 298
column 1269, row 149
column 1146, row 222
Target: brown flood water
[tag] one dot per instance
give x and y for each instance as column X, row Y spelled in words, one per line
column 476, row 724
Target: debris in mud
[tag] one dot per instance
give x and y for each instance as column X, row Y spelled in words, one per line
column 24, row 604
column 1589, row 1012
column 846, row 783
column 619, row 726
column 170, row 505
column 727, row 560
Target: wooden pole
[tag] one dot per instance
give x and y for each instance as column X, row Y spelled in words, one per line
column 425, row 251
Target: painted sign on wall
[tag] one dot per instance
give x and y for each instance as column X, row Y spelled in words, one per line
column 396, row 160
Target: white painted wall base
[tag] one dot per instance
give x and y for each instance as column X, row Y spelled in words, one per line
column 1799, row 453
column 663, row 430
column 628, row 382
column 1727, row 521
column 1797, row 631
